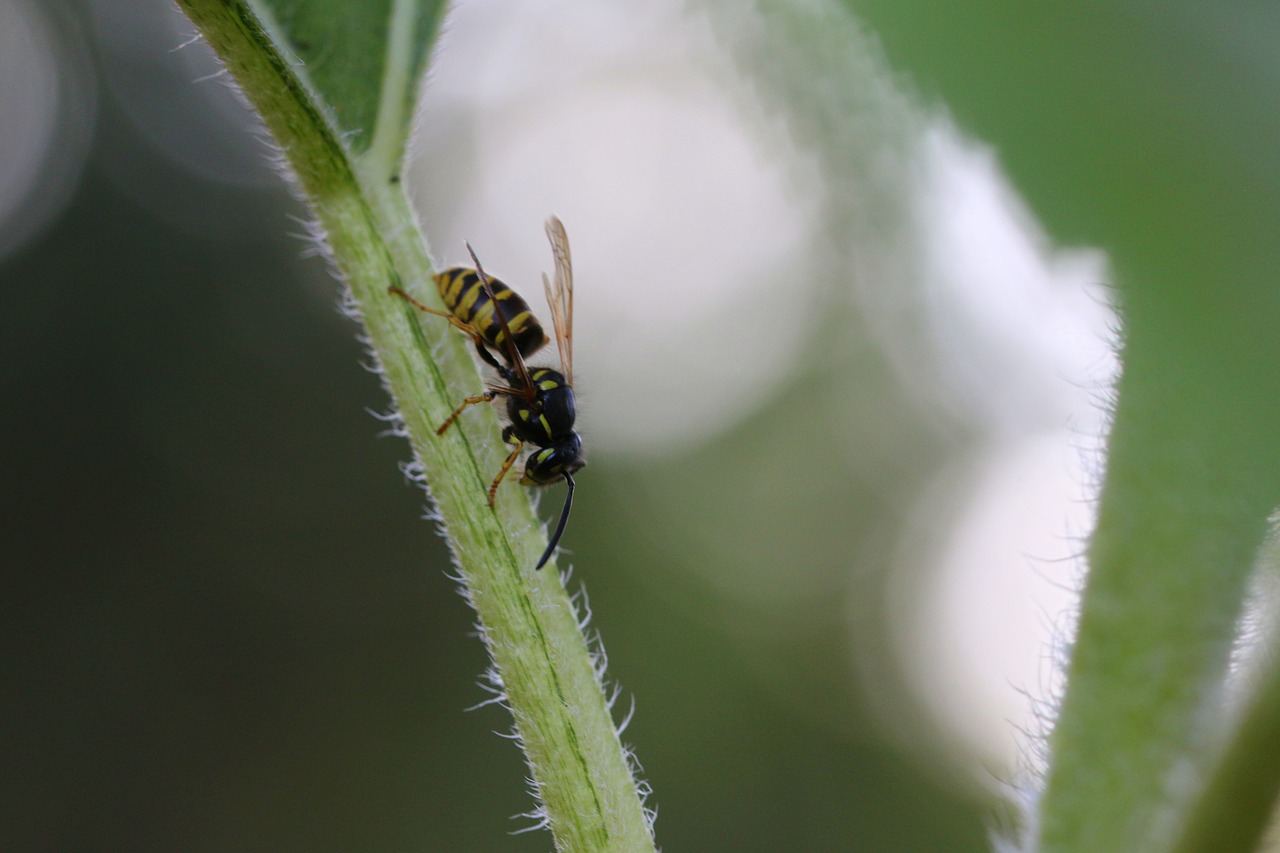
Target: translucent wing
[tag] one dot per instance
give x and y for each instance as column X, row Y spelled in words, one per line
column 513, row 352
column 560, row 295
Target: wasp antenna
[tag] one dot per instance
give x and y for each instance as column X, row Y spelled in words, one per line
column 564, row 519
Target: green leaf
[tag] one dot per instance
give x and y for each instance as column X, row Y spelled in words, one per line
column 363, row 60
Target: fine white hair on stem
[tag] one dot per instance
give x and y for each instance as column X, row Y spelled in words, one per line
column 194, row 38
column 539, row 816
column 626, row 720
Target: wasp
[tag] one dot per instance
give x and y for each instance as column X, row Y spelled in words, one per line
column 541, row 409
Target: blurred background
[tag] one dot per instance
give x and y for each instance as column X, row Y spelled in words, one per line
column 842, row 384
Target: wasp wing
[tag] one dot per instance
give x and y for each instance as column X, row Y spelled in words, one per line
column 513, row 352
column 560, row 295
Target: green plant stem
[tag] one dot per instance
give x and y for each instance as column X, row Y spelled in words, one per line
column 579, row 768
column 1240, row 797
column 1182, row 518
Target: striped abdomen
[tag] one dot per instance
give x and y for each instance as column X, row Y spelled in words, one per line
column 464, row 295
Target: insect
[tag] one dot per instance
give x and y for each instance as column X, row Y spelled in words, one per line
column 540, row 402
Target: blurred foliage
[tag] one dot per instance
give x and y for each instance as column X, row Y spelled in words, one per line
column 1140, row 127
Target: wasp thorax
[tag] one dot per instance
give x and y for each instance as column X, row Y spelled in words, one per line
column 549, row 416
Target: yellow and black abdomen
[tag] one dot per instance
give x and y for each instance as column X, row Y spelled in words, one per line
column 464, row 294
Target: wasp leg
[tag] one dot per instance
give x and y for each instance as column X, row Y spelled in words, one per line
column 482, row 346
column 506, row 463
column 427, row 309
column 486, row 397
column 491, row 393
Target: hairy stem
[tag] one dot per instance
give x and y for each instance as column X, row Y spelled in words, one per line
column 551, row 685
